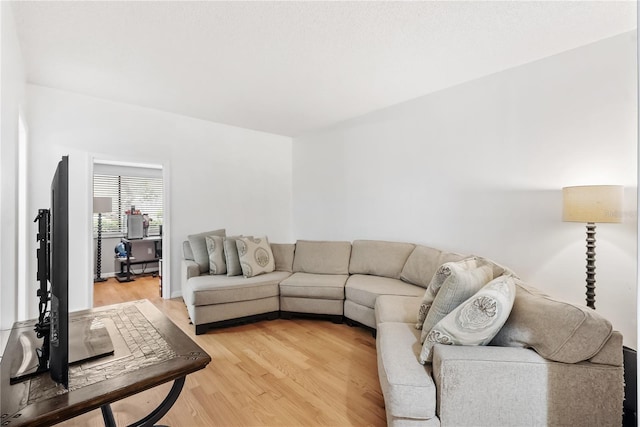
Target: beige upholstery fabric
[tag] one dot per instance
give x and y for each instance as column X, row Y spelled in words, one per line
column 518, row 387
column 283, row 256
column 461, row 284
column 215, row 248
column 322, row 257
column 423, row 263
column 360, row 313
column 255, row 256
column 332, row 307
column 396, row 308
column 189, row 269
column 202, row 314
column 411, row 422
column 441, row 275
column 231, row 256
column 555, row 329
column 408, row 387
column 476, row 321
column 199, row 247
column 307, row 285
column 378, row 258
column 364, row 289
column 187, row 253
column 610, row 353
column 206, row 290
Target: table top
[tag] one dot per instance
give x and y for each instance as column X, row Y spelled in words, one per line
column 149, row 350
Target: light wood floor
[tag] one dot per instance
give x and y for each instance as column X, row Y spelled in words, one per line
column 299, row 372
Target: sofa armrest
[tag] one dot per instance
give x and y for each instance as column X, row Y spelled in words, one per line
column 188, row 269
column 486, row 385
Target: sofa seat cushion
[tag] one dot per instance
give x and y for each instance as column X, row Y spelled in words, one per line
column 555, row 329
column 364, row 289
column 308, row 285
column 396, row 308
column 408, row 387
column 379, row 258
column 207, row 290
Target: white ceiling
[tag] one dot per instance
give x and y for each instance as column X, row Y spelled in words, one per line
column 293, row 67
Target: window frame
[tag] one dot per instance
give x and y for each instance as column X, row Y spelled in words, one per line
column 128, row 186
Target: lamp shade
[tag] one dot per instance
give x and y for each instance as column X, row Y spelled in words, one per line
column 101, row 204
column 592, row 203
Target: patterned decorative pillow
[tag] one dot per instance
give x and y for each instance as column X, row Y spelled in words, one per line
column 255, row 256
column 476, row 321
column 461, row 284
column 215, row 248
column 442, row 273
column 231, row 256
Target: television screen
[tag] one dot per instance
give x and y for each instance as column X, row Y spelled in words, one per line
column 59, row 275
column 63, row 342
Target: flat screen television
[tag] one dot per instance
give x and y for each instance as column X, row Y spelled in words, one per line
column 59, row 275
column 55, row 342
column 46, row 348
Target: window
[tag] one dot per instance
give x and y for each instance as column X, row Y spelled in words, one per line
column 142, row 192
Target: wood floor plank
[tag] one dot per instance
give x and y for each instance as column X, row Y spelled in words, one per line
column 297, row 372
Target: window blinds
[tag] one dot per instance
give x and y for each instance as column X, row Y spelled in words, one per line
column 145, row 193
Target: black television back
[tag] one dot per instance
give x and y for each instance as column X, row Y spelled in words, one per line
column 59, row 275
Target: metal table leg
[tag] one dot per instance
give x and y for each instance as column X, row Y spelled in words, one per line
column 155, row 415
column 107, row 416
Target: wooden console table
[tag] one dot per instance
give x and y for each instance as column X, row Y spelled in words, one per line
column 149, row 350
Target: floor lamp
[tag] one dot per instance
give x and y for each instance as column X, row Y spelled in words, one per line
column 591, row 204
column 100, row 205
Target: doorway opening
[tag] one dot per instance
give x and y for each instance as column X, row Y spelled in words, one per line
column 129, row 224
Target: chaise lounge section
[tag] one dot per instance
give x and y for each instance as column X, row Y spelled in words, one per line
column 552, row 363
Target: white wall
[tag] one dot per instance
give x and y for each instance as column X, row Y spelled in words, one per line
column 219, row 176
column 12, row 101
column 478, row 168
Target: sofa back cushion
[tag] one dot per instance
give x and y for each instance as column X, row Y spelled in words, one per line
column 187, row 253
column 556, row 330
column 423, row 263
column 199, row 247
column 322, row 257
column 378, row 258
column 231, row 256
column 283, row 255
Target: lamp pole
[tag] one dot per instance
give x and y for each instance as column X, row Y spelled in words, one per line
column 99, row 277
column 100, row 205
column 591, row 265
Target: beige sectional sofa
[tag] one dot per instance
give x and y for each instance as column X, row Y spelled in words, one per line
column 552, row 363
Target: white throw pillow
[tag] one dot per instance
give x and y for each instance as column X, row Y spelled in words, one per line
column 255, row 256
column 476, row 321
column 463, row 282
column 215, row 248
column 442, row 274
